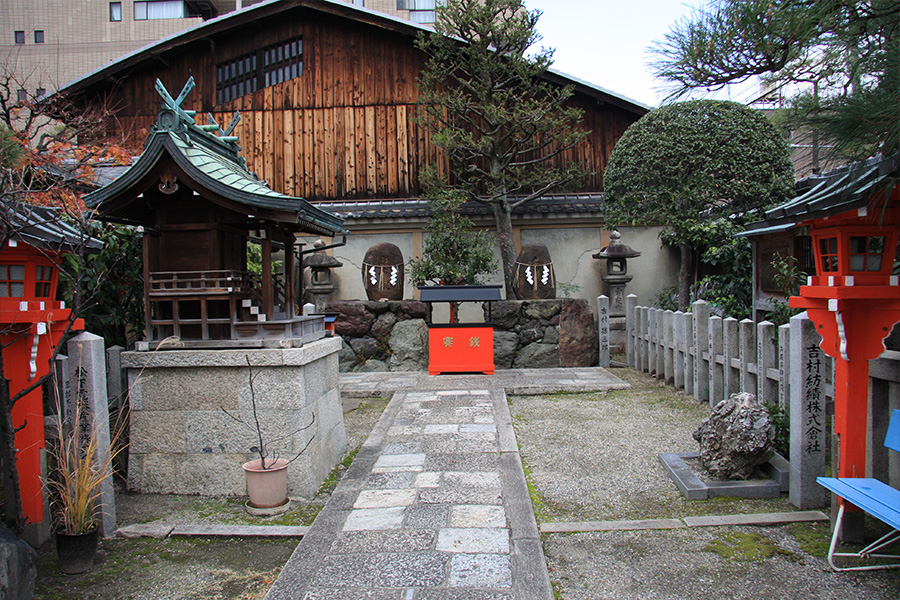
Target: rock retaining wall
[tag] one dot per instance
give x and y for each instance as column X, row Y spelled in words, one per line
column 381, row 336
column 540, row 334
column 535, row 334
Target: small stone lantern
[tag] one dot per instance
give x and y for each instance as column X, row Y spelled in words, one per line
column 320, row 285
column 616, row 275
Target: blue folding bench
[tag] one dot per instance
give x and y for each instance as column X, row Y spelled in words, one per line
column 876, row 498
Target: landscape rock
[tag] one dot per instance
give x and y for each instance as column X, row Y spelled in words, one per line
column 537, row 356
column 409, row 343
column 578, row 344
column 414, row 309
column 736, row 438
column 505, row 314
column 373, row 366
column 383, row 325
column 346, row 357
column 353, row 319
column 505, row 344
column 377, row 307
column 364, row 348
column 531, row 334
column 543, row 310
column 551, row 335
column 18, row 567
column 534, row 278
column 383, row 272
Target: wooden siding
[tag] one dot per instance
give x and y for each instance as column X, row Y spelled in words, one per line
column 345, row 128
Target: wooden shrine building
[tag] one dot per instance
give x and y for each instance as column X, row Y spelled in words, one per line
column 202, row 211
column 328, row 96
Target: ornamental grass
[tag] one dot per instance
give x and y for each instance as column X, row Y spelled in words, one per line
column 81, row 465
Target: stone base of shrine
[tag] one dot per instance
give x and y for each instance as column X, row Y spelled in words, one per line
column 193, row 424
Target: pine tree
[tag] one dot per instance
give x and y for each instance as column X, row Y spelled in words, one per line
column 839, row 60
column 499, row 122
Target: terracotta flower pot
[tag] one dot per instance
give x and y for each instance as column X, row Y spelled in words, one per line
column 76, row 551
column 267, row 487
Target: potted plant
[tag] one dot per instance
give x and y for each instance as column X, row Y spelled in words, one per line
column 266, row 475
column 80, row 465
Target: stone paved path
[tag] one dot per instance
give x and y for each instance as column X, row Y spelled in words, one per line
column 434, row 507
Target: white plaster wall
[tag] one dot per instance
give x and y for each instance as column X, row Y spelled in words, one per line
column 571, row 250
column 657, row 266
column 349, row 277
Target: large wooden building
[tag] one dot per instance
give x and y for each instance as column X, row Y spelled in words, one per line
column 327, row 92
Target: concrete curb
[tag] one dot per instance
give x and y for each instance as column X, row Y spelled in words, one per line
column 163, row 531
column 685, row 522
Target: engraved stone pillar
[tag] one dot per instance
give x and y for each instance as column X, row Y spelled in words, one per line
column 87, row 372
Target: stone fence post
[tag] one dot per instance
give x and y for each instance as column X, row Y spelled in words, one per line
column 808, row 424
column 630, row 329
column 702, row 362
column 114, row 376
column 603, row 329
column 87, row 372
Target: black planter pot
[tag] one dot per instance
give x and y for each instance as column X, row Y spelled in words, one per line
column 76, row 551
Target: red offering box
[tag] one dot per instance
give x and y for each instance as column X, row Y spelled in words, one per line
column 460, row 348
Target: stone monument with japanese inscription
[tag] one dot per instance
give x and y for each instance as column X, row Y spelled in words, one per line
column 807, row 412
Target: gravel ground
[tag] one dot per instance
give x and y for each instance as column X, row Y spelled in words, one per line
column 587, row 456
column 594, row 457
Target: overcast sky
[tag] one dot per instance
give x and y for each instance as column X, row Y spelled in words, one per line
column 605, row 42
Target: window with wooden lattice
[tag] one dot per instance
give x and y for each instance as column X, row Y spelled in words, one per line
column 260, row 69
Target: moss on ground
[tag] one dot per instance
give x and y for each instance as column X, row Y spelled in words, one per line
column 746, row 547
column 331, row 482
column 128, row 569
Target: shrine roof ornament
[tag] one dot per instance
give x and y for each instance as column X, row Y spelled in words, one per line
column 208, row 157
column 839, row 191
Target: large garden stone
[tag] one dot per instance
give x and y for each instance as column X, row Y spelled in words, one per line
column 504, row 314
column 353, row 319
column 537, row 356
column 383, row 272
column 543, row 309
column 382, row 326
column 414, row 309
column 530, row 334
column 551, row 335
column 346, row 357
column 373, row 366
column 578, row 345
column 409, row 341
column 364, row 347
column 534, row 277
column 505, row 344
column 377, row 307
column 736, row 438
column 18, row 567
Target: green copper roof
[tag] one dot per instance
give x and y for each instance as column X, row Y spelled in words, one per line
column 842, row 190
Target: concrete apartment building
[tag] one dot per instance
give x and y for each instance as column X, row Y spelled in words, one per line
column 47, row 43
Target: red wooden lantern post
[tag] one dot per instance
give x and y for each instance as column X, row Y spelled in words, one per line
column 854, row 301
column 31, row 325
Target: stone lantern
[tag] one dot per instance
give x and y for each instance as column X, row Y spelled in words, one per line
column 320, row 285
column 616, row 275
